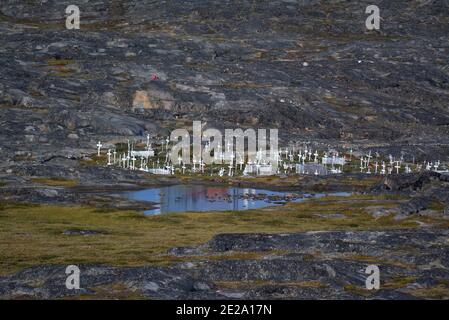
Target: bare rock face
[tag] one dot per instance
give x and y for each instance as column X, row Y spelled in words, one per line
column 141, row 101
column 446, row 211
column 152, row 98
column 309, row 68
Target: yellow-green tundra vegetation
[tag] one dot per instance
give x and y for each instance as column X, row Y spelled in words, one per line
column 34, row 234
column 56, row 182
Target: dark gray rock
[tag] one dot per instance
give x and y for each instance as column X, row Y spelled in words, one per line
column 290, row 269
column 406, row 182
column 414, row 205
column 81, row 232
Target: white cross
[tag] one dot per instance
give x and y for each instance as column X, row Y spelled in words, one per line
column 202, row 164
column 134, row 162
column 398, row 166
column 368, row 157
column 148, row 141
column 230, row 170
column 109, row 157
column 124, row 161
column 99, row 145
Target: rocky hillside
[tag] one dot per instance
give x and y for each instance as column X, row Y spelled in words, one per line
column 308, row 67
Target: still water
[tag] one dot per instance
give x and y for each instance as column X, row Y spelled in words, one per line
column 198, row 198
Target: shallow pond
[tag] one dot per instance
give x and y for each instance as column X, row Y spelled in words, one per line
column 198, row 198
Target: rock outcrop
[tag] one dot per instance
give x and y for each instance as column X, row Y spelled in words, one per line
column 313, row 265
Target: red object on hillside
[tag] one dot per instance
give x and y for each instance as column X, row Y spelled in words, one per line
column 154, row 77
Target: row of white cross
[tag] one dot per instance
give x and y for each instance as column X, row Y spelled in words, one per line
column 285, row 158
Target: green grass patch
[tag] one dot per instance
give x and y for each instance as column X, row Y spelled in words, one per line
column 398, row 282
column 437, row 206
column 56, row 182
column 34, row 234
column 59, row 62
column 440, row 291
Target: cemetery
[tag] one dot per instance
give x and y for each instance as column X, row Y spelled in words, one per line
column 91, row 176
column 300, row 161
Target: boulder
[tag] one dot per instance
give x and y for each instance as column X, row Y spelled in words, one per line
column 415, row 205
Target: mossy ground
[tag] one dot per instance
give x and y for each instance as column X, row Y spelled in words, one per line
column 34, row 234
column 56, row 182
